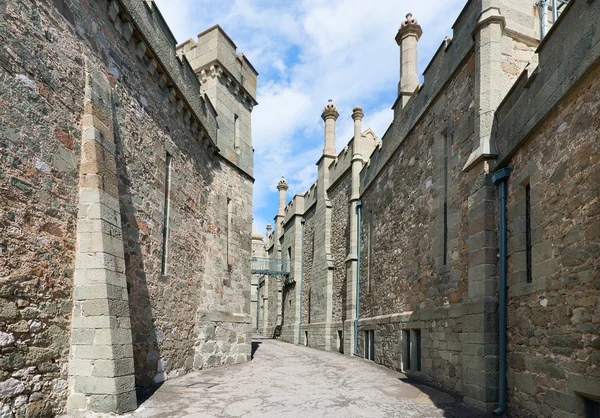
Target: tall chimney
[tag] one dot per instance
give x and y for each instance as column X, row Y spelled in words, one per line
column 329, row 115
column 282, row 186
column 407, row 38
column 357, row 115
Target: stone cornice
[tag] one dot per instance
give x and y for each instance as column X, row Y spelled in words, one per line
column 217, row 69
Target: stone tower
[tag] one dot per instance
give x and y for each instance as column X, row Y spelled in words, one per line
column 229, row 81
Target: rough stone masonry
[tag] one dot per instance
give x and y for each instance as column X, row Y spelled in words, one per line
column 395, row 248
column 125, row 221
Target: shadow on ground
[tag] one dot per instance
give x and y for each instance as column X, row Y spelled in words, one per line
column 255, row 345
column 451, row 403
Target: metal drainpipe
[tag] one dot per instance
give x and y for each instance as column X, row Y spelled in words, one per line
column 500, row 179
column 257, row 303
column 358, row 213
column 302, row 221
column 543, row 8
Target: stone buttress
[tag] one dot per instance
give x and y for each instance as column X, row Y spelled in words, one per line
column 101, row 370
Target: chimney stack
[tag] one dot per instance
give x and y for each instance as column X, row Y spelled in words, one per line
column 330, row 115
column 282, row 186
column 357, row 115
column 407, row 38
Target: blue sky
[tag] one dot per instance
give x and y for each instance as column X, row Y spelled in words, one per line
column 309, row 51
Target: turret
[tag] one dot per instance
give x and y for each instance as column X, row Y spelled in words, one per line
column 329, row 115
column 228, row 80
column 268, row 230
column 357, row 115
column 407, row 39
column 282, row 187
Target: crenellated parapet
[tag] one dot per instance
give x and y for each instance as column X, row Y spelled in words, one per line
column 145, row 31
column 514, row 29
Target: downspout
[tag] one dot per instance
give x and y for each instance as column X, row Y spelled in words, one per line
column 500, row 179
column 302, row 221
column 257, row 303
column 358, row 213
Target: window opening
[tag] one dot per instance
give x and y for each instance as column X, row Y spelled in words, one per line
column 445, row 168
column 229, row 232
column 369, row 256
column 166, row 213
column 528, row 232
column 236, row 133
column 592, row 408
column 370, row 345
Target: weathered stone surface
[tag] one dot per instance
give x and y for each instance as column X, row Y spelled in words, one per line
column 6, row 339
column 116, row 130
column 10, row 388
column 429, row 234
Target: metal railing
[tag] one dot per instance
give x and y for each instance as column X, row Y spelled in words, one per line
column 270, row 266
column 556, row 6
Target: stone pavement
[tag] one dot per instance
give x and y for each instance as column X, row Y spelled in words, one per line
column 284, row 380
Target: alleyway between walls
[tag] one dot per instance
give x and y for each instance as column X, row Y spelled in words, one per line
column 284, row 380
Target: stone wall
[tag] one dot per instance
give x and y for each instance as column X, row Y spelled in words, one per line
column 493, row 97
column 404, row 274
column 309, row 242
column 41, row 80
column 193, row 315
column 340, row 244
column 553, row 319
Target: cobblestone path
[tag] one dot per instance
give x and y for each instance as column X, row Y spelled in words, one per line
column 284, row 380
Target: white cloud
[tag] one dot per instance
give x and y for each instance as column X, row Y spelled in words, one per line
column 306, row 52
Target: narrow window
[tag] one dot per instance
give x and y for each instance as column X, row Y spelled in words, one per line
column 417, row 355
column 369, row 256
column 306, row 338
column 166, row 213
column 229, row 232
column 412, row 350
column 370, row 345
column 592, row 408
column 406, row 335
column 445, row 197
column 236, row 133
column 528, row 231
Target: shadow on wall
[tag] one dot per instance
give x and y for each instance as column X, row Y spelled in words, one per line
column 145, row 345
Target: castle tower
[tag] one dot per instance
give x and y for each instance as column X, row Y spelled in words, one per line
column 228, row 79
column 407, row 39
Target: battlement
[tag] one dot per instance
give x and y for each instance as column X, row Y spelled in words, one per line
column 229, row 81
column 142, row 25
column 518, row 22
column 215, row 53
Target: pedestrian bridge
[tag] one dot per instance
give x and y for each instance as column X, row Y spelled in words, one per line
column 279, row 268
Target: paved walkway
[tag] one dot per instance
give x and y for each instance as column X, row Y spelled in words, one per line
column 286, row 380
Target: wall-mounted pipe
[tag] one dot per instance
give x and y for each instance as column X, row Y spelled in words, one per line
column 302, row 222
column 358, row 213
column 257, row 302
column 500, row 179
